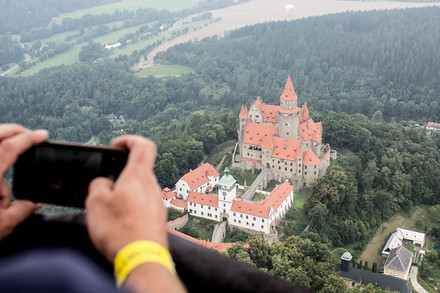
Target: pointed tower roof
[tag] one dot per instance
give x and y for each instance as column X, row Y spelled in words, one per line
column 289, row 92
column 310, row 159
column 305, row 115
column 243, row 112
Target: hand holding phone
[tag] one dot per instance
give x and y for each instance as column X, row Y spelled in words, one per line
column 60, row 173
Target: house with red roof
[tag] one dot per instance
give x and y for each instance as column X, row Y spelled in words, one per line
column 199, row 180
column 284, row 139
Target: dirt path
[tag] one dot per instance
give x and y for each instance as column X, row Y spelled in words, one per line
column 219, row 149
column 260, row 11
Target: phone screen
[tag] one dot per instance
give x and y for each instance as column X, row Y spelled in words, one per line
column 61, row 173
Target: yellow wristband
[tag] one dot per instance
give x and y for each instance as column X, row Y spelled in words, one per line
column 137, row 253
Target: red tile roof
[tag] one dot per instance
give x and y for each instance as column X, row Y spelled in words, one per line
column 243, row 112
column 305, row 110
column 433, row 125
column 203, row 198
column 278, row 195
column 310, row 159
column 287, row 149
column 310, row 130
column 259, row 134
column 269, row 112
column 289, row 92
column 251, row 160
column 250, row 209
column 199, row 176
column 274, row 200
column 179, row 203
column 167, row 193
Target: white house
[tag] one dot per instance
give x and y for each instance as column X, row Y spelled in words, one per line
column 202, row 179
column 396, row 239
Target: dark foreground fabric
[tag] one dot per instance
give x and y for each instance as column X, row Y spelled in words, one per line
column 52, row 271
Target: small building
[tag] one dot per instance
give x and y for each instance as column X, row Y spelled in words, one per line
column 402, row 235
column 398, row 263
column 432, row 126
column 113, row 46
column 353, row 277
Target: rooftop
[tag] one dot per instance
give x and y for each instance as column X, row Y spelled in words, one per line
column 199, row 176
column 399, row 259
column 203, row 198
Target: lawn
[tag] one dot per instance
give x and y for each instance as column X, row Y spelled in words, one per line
column 296, row 219
column 407, row 220
column 131, row 5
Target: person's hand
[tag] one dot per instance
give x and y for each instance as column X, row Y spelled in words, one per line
column 14, row 140
column 131, row 208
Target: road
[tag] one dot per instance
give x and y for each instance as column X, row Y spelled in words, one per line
column 260, row 11
column 413, row 277
column 219, row 232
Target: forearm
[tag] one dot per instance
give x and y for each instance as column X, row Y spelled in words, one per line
column 152, row 278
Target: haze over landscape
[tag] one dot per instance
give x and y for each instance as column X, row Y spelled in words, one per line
column 291, row 134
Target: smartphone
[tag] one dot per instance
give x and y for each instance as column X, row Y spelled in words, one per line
column 60, row 173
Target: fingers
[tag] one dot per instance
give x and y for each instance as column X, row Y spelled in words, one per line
column 141, row 157
column 12, row 146
column 17, row 213
column 98, row 188
column 5, row 194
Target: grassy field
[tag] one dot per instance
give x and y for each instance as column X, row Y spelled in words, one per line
column 131, row 5
column 165, row 70
column 407, row 220
column 71, row 56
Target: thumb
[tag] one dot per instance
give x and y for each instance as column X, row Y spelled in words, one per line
column 19, row 211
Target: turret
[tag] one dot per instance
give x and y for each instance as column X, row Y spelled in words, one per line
column 345, row 261
column 288, row 99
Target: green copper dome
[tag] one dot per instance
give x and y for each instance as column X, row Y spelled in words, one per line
column 227, row 180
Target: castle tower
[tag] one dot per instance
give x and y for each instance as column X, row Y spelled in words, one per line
column 288, row 99
column 227, row 192
column 243, row 117
column 289, row 114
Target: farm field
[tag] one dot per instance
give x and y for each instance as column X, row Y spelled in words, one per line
column 131, row 5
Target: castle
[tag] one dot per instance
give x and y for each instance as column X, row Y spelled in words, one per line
column 283, row 142
column 283, row 139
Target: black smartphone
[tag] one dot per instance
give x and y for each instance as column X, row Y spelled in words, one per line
column 60, row 173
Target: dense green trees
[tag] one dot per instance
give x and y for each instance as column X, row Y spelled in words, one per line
column 10, row 51
column 348, row 62
column 297, row 260
column 392, row 167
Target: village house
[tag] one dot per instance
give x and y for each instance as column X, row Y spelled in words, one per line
column 402, row 235
column 398, row 263
column 202, row 179
column 432, row 126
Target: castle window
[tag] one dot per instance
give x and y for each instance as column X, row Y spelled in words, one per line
column 305, row 167
column 315, row 166
column 247, row 217
column 190, row 210
column 241, row 215
column 254, row 219
column 215, row 209
column 209, row 208
column 279, row 168
column 285, row 169
column 262, row 227
column 252, row 224
column 201, row 206
column 202, row 213
column 299, row 165
column 287, row 133
column 291, row 170
column 262, row 220
column 315, row 172
column 224, row 205
column 305, row 173
column 239, row 221
column 235, row 221
column 291, row 164
column 247, row 223
column 234, row 214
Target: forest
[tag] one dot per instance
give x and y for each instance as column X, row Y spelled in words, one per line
column 368, row 82
column 351, row 62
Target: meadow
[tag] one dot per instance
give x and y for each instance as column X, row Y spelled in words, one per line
column 130, row 5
